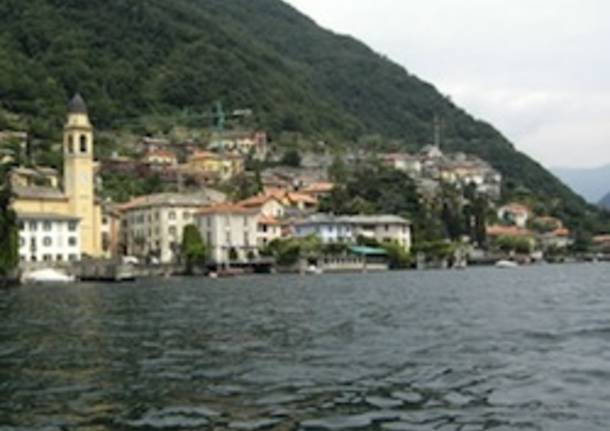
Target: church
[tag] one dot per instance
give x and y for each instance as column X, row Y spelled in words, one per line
column 61, row 221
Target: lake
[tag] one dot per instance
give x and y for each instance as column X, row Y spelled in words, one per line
column 481, row 349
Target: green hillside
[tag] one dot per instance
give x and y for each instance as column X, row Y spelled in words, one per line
column 134, row 59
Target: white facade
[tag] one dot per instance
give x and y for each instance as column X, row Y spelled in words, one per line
column 152, row 226
column 49, row 238
column 229, row 232
column 330, row 229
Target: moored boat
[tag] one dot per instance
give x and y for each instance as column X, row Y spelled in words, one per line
column 506, row 264
column 47, row 275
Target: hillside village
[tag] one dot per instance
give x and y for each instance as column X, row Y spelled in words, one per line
column 252, row 203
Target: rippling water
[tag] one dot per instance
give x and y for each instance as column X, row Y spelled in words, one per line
column 481, row 349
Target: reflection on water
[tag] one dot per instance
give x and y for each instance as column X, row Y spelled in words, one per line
column 474, row 350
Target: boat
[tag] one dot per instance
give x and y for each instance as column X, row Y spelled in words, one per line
column 313, row 270
column 506, row 264
column 47, row 275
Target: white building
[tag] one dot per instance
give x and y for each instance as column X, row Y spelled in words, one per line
column 230, row 232
column 152, row 225
column 332, row 229
column 48, row 238
column 328, row 228
column 383, row 228
column 515, row 214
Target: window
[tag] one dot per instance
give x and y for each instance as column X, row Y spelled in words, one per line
column 59, row 258
column 209, row 238
column 186, row 215
column 72, row 242
column 46, row 226
column 21, row 225
column 72, row 226
column 172, row 215
column 209, row 221
column 72, row 258
column 387, row 227
column 70, row 144
column 172, row 230
column 33, row 226
column 47, row 241
column 105, row 221
column 21, row 242
column 228, row 237
column 83, row 144
column 246, row 221
column 47, row 258
column 246, row 239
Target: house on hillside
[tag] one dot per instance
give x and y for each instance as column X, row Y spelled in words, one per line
column 514, row 214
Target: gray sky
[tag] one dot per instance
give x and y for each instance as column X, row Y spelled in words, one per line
column 539, row 70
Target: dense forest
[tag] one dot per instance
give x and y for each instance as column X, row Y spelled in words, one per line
column 149, row 63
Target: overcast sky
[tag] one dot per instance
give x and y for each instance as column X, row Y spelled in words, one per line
column 539, row 70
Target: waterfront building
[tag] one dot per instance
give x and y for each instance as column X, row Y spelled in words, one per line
column 76, row 200
column 267, row 205
column 328, row 228
column 332, row 229
column 152, row 225
column 382, row 228
column 48, row 238
column 268, row 230
column 230, row 232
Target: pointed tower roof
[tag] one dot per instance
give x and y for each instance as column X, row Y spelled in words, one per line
column 77, row 105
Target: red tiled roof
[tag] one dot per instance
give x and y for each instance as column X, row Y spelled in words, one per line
column 226, row 208
column 269, row 221
column 499, row 230
column 319, row 187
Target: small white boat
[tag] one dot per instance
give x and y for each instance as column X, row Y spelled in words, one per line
column 47, row 275
column 314, row 270
column 506, row 264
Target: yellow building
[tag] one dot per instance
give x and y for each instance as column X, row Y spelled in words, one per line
column 77, row 197
column 225, row 166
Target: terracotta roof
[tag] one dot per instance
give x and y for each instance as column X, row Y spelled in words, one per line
column 601, row 239
column 258, row 201
column 300, row 197
column 226, row 208
column 161, row 153
column 203, row 155
column 319, row 187
column 269, row 221
column 561, row 232
column 499, row 230
column 516, row 208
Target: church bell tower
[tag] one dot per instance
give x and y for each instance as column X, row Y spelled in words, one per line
column 79, row 173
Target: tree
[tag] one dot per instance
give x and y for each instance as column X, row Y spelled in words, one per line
column 9, row 233
column 398, row 257
column 193, row 249
column 292, row 158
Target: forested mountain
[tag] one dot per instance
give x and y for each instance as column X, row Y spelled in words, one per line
column 134, row 58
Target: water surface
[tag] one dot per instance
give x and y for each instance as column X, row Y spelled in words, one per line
column 482, row 349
